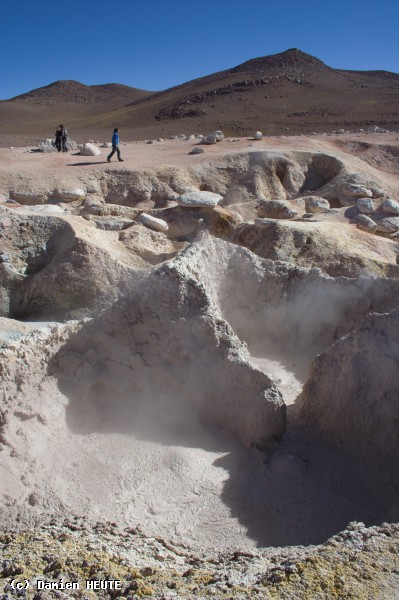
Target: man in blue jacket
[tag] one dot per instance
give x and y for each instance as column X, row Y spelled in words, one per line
column 115, row 146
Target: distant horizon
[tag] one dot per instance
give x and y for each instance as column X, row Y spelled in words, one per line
column 104, row 83
column 153, row 45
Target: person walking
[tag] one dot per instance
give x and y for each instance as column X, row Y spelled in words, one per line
column 115, row 146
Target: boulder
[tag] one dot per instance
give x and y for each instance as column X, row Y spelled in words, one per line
column 214, row 136
column 153, row 222
column 69, row 195
column 93, row 206
column 275, row 209
column 29, row 198
column 258, row 135
column 211, row 138
column 90, row 150
column 390, row 206
column 199, row 199
column 388, row 225
column 364, row 223
column 365, row 205
column 48, row 145
column 106, row 145
column 316, row 204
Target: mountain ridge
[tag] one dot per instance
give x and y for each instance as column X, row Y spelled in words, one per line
column 290, row 92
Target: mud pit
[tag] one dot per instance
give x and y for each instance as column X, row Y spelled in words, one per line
column 176, row 404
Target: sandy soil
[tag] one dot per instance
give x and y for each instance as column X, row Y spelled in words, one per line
column 140, row 155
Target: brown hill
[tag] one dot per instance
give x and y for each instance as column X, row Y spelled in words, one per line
column 290, row 92
column 34, row 115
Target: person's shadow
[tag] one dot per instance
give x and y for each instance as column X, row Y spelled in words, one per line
column 86, row 164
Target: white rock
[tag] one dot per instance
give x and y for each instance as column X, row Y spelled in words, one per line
column 193, row 199
column 372, row 129
column 390, row 206
column 153, row 222
column 219, row 135
column 258, row 135
column 211, row 138
column 90, row 150
column 106, row 145
column 70, row 195
column 365, row 205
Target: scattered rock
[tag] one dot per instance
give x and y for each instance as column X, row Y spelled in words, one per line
column 275, row 209
column 90, row 150
column 316, row 204
column 258, row 135
column 200, row 199
column 387, row 225
column 153, row 222
column 71, row 195
column 365, row 205
column 364, row 223
column 197, row 151
column 29, row 198
column 390, row 206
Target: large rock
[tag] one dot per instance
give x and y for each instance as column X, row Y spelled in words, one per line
column 69, row 195
column 29, row 198
column 365, row 205
column 258, row 135
column 90, row 150
column 364, row 223
column 316, row 204
column 276, row 209
column 49, row 145
column 387, row 225
column 199, row 199
column 153, row 222
column 390, row 206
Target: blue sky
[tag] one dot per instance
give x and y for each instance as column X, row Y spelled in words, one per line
column 155, row 44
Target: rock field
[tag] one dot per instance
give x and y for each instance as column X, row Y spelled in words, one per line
column 199, row 359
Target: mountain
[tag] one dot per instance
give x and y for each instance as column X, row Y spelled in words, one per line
column 290, row 92
column 74, row 91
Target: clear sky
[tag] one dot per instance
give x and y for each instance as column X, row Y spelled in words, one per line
column 155, row 44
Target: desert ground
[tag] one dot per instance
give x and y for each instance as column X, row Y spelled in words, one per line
column 199, row 360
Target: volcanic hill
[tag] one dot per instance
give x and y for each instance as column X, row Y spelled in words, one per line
column 290, row 92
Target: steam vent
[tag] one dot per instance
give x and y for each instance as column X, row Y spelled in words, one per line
column 199, row 368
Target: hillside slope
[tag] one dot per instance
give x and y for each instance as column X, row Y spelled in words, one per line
column 290, row 92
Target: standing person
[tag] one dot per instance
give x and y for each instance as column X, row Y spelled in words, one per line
column 115, row 146
column 64, row 138
column 58, row 137
column 61, row 136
